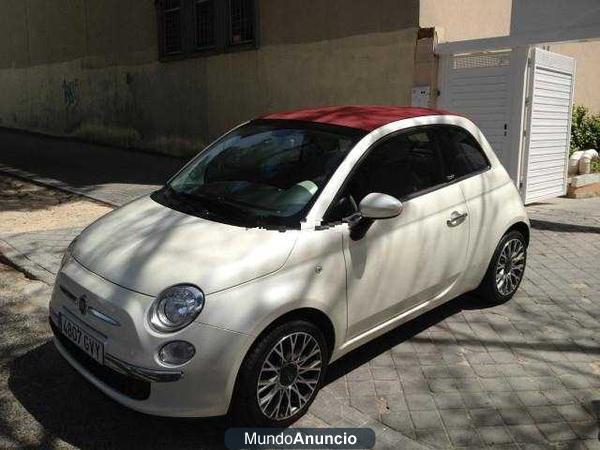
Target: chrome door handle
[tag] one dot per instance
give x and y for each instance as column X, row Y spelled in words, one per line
column 456, row 218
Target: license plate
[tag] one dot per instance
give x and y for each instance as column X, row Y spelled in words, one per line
column 82, row 339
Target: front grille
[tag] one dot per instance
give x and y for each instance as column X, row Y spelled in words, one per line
column 128, row 386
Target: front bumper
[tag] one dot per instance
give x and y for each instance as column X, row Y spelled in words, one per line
column 132, row 374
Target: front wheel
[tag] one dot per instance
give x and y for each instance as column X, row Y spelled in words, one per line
column 281, row 375
column 506, row 269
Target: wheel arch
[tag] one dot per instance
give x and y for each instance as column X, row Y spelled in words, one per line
column 519, row 224
column 522, row 227
column 310, row 314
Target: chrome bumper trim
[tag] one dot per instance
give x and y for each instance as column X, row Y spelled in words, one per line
column 150, row 375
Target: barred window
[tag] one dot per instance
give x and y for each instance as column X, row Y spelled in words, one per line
column 173, row 36
column 205, row 23
column 242, row 21
column 188, row 28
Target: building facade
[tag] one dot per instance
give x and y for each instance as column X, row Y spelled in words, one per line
column 172, row 75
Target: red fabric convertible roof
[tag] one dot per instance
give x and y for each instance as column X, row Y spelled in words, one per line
column 365, row 118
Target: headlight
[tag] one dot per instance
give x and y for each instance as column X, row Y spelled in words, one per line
column 68, row 254
column 176, row 307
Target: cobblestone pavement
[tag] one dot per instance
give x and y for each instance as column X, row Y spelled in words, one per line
column 525, row 374
column 579, row 213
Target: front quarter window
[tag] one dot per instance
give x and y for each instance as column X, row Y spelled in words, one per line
column 265, row 173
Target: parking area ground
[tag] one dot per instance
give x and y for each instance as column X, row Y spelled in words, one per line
column 525, row 374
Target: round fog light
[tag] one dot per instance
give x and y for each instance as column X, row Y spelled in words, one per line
column 176, row 353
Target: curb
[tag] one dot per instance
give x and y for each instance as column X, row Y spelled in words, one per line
column 23, row 264
column 14, row 257
column 50, row 182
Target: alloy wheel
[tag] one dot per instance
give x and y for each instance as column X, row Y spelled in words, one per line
column 510, row 267
column 289, row 376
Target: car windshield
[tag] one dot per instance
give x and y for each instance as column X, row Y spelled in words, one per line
column 266, row 173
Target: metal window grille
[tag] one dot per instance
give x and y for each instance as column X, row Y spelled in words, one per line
column 205, row 23
column 172, row 27
column 242, row 21
column 480, row 61
column 188, row 28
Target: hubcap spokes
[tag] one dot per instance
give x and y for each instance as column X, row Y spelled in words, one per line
column 510, row 266
column 289, row 376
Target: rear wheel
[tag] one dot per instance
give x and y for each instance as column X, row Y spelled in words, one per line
column 506, row 269
column 281, row 375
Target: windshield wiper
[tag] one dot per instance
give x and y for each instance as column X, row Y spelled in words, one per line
column 224, row 209
column 217, row 205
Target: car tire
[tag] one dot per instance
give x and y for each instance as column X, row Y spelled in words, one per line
column 506, row 269
column 292, row 380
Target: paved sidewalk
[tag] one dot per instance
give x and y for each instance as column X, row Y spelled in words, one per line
column 525, row 374
column 38, row 253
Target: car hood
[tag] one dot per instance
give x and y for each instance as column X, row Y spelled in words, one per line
column 147, row 247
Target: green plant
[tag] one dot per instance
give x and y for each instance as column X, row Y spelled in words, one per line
column 585, row 129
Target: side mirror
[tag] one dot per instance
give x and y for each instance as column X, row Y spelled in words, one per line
column 373, row 207
column 379, row 206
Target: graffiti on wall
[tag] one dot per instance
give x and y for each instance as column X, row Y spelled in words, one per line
column 70, row 92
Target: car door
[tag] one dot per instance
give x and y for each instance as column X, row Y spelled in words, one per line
column 402, row 262
column 470, row 169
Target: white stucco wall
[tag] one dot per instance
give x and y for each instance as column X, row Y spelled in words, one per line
column 460, row 20
column 529, row 22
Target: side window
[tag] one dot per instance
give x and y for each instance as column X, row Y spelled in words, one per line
column 461, row 151
column 400, row 166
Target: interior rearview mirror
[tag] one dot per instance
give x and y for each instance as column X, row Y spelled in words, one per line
column 379, row 206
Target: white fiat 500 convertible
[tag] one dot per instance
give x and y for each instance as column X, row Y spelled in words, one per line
column 287, row 243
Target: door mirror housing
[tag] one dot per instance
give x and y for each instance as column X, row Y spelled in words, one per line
column 379, row 206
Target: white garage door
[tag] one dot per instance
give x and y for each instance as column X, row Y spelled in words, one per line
column 532, row 142
column 548, row 126
column 478, row 86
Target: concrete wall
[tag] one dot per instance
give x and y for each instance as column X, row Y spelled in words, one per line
column 556, row 20
column 463, row 20
column 587, row 76
column 89, row 68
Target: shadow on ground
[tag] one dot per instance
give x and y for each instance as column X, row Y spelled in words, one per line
column 391, row 339
column 563, row 227
column 71, row 409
